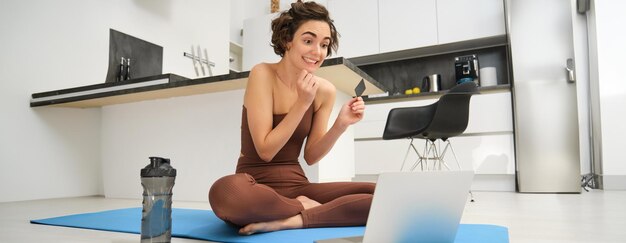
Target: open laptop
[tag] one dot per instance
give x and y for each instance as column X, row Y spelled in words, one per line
column 415, row 207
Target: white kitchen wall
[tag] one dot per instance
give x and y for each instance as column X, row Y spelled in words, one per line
column 241, row 10
column 257, row 40
column 606, row 69
column 200, row 134
column 339, row 163
column 51, row 152
column 255, row 17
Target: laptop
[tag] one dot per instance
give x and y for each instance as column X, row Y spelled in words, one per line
column 415, row 207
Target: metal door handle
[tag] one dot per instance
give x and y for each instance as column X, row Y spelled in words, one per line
column 571, row 70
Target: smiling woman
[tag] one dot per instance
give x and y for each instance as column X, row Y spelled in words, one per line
column 285, row 103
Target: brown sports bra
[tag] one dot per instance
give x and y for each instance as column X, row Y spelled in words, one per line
column 251, row 163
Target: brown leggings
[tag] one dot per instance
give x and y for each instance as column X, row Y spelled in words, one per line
column 240, row 200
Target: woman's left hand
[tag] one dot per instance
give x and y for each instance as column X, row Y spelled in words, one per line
column 351, row 112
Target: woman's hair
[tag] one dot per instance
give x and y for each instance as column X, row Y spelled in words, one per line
column 285, row 26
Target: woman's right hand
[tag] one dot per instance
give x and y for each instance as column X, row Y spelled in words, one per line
column 307, row 87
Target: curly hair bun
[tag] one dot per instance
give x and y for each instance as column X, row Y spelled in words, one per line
column 288, row 22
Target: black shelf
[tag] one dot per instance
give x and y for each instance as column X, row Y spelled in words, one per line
column 431, row 95
column 339, row 71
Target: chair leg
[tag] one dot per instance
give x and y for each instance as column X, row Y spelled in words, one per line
column 430, row 153
column 419, row 160
column 435, row 153
column 431, row 146
column 449, row 145
column 438, row 156
column 422, row 158
column 406, row 154
column 427, row 149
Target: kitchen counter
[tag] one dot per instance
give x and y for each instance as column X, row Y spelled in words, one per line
column 339, row 71
column 430, row 95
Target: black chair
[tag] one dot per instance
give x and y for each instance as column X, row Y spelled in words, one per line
column 446, row 118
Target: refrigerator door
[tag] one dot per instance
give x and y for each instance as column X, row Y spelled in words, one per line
column 544, row 98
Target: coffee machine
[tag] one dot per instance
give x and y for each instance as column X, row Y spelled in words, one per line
column 466, row 69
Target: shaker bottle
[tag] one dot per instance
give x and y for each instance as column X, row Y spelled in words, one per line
column 157, row 180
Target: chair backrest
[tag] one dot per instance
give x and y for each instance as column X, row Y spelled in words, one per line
column 452, row 114
column 406, row 122
column 445, row 118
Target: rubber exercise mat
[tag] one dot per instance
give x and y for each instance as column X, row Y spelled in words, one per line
column 204, row 225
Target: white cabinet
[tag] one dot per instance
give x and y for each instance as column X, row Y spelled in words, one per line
column 369, row 27
column 357, row 23
column 407, row 24
column 486, row 146
column 257, row 37
column 485, row 154
column 489, row 113
column 459, row 20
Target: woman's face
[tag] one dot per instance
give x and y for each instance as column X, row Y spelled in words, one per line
column 310, row 45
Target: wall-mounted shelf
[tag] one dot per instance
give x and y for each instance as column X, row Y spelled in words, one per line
column 400, row 75
column 500, row 40
column 341, row 72
column 432, row 95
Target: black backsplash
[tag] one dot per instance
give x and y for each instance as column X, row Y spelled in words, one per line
column 146, row 58
column 398, row 76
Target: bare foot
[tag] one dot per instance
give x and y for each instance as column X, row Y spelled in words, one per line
column 294, row 222
column 307, row 202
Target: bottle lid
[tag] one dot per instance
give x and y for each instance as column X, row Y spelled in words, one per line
column 158, row 167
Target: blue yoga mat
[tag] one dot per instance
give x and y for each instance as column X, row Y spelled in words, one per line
column 204, row 225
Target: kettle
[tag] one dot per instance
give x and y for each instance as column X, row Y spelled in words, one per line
column 431, row 83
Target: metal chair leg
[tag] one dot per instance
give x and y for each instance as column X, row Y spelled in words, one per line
column 428, row 148
column 438, row 156
column 406, row 154
column 449, row 145
column 422, row 158
column 418, row 161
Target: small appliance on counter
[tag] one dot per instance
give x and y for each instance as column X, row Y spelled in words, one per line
column 466, row 69
column 431, row 83
column 488, row 76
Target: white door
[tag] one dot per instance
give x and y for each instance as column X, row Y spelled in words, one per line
column 545, row 111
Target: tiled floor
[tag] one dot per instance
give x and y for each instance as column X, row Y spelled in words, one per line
column 597, row 216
